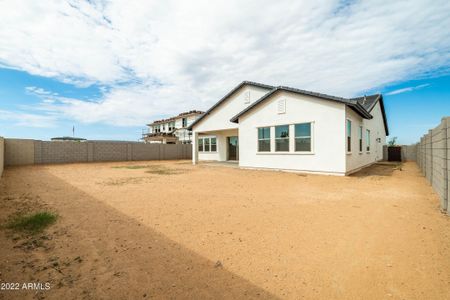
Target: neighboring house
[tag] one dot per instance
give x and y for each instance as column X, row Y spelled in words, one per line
column 173, row 130
column 284, row 128
column 67, row 138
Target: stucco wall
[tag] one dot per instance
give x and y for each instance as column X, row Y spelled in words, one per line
column 357, row 159
column 222, row 147
column 28, row 152
column 328, row 155
column 2, row 155
column 219, row 119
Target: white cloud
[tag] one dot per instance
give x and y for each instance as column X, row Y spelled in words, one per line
column 407, row 89
column 24, row 119
column 162, row 57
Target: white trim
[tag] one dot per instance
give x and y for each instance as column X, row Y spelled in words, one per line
column 203, row 144
column 294, row 171
column 258, row 139
column 311, row 136
column 368, row 140
column 347, row 136
column 286, row 153
column 291, row 150
column 283, row 138
column 361, row 138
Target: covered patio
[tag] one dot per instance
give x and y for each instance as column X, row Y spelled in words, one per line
column 219, row 145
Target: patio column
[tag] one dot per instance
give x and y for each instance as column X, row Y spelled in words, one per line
column 194, row 147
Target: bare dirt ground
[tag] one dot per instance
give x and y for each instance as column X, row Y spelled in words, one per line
column 174, row 231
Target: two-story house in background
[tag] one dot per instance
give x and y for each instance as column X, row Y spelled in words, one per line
column 173, row 130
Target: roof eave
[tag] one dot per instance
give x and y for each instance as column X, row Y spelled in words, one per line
column 234, row 90
column 358, row 108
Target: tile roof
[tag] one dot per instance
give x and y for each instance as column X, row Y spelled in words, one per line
column 191, row 112
column 265, row 86
column 361, row 105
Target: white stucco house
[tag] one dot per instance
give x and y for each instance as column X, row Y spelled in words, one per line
column 282, row 128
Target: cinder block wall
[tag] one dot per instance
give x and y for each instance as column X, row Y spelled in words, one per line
column 2, row 155
column 409, row 152
column 28, row 152
column 19, row 152
column 433, row 159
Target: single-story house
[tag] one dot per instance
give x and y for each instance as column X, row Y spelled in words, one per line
column 283, row 128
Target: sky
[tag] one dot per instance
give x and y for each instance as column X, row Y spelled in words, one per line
column 110, row 67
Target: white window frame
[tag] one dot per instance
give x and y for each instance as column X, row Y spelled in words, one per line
column 299, row 137
column 258, row 139
column 348, row 143
column 211, row 144
column 171, row 125
column 204, row 139
column 288, row 138
column 360, row 139
column 291, row 140
column 368, row 141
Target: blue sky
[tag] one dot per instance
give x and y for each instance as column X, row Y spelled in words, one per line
column 412, row 108
column 108, row 68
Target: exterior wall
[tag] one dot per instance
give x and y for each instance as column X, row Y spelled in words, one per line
column 328, row 145
column 356, row 159
column 433, row 158
column 219, row 119
column 19, row 152
column 28, row 152
column 2, row 155
column 409, row 152
column 222, row 152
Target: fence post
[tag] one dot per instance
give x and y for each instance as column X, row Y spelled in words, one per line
column 446, row 156
column 129, row 149
column 425, row 144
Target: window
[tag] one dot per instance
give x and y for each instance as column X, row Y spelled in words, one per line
column 157, row 129
column 349, row 136
column 303, row 137
column 184, row 122
column 171, row 126
column 282, row 138
column 264, row 139
column 213, row 144
column 368, row 140
column 360, row 139
column 207, row 144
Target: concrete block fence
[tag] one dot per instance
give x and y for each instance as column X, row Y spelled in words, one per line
column 433, row 158
column 2, row 154
column 28, row 152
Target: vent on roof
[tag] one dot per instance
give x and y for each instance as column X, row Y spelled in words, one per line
column 247, row 97
column 364, row 100
column 281, row 106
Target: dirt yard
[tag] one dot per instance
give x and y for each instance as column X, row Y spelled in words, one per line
column 170, row 230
